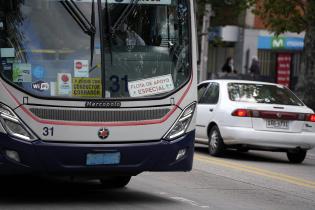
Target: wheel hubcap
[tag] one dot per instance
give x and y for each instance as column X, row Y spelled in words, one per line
column 214, row 140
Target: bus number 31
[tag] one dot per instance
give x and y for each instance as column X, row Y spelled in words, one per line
column 48, row 131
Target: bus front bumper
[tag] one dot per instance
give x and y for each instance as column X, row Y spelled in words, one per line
column 70, row 159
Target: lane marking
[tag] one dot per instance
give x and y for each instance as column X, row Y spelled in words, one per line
column 193, row 203
column 258, row 171
column 184, row 200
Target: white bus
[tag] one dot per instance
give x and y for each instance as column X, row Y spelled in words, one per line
column 101, row 89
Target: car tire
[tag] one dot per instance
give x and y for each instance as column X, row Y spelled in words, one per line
column 115, row 181
column 296, row 156
column 215, row 143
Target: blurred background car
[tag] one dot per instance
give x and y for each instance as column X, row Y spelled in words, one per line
column 253, row 115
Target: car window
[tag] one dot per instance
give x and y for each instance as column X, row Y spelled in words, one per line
column 201, row 89
column 212, row 95
column 262, row 93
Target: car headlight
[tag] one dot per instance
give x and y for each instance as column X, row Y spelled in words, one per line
column 13, row 125
column 180, row 126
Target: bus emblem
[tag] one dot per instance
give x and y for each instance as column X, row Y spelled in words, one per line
column 103, row 133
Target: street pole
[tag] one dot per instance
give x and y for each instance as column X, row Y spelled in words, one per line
column 205, row 43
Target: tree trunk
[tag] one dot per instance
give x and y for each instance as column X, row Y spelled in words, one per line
column 306, row 84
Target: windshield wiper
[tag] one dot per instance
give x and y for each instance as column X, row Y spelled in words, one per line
column 86, row 26
column 92, row 35
column 108, row 31
column 124, row 15
column 103, row 75
column 78, row 16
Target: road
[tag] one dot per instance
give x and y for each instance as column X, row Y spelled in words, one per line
column 253, row 180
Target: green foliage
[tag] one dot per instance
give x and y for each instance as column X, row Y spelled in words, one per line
column 227, row 12
column 278, row 15
column 283, row 15
column 295, row 16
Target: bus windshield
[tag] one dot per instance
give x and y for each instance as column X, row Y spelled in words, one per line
column 75, row 49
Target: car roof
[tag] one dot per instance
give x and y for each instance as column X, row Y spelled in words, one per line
column 224, row 81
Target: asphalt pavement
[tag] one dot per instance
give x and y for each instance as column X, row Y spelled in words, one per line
column 253, row 180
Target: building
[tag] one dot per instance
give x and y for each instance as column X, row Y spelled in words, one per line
column 279, row 56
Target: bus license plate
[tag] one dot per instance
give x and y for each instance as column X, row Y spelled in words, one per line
column 103, row 158
column 278, row 124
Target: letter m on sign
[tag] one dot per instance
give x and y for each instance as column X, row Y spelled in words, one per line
column 277, row 42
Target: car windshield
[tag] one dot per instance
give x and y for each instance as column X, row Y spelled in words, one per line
column 262, row 93
column 52, row 48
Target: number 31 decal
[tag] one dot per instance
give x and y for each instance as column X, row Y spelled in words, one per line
column 116, row 84
column 48, row 131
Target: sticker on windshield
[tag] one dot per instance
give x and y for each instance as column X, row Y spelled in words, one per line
column 81, row 68
column 64, row 84
column 22, row 72
column 87, row 87
column 38, row 72
column 7, row 52
column 151, row 86
column 40, row 86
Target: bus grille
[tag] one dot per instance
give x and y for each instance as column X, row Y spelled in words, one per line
column 99, row 116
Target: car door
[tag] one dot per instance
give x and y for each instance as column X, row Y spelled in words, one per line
column 206, row 109
column 201, row 91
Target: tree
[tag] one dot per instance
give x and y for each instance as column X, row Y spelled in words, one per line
column 281, row 16
column 227, row 12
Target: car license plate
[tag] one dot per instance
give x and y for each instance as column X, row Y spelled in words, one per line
column 109, row 158
column 278, row 124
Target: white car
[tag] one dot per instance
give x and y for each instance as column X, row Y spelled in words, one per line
column 253, row 115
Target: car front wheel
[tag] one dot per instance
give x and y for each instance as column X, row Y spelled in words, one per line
column 115, row 181
column 216, row 145
column 296, row 156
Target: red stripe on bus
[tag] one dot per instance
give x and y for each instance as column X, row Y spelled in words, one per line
column 144, row 122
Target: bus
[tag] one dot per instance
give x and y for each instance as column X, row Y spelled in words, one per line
column 102, row 89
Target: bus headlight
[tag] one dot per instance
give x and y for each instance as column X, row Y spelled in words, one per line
column 13, row 125
column 180, row 126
